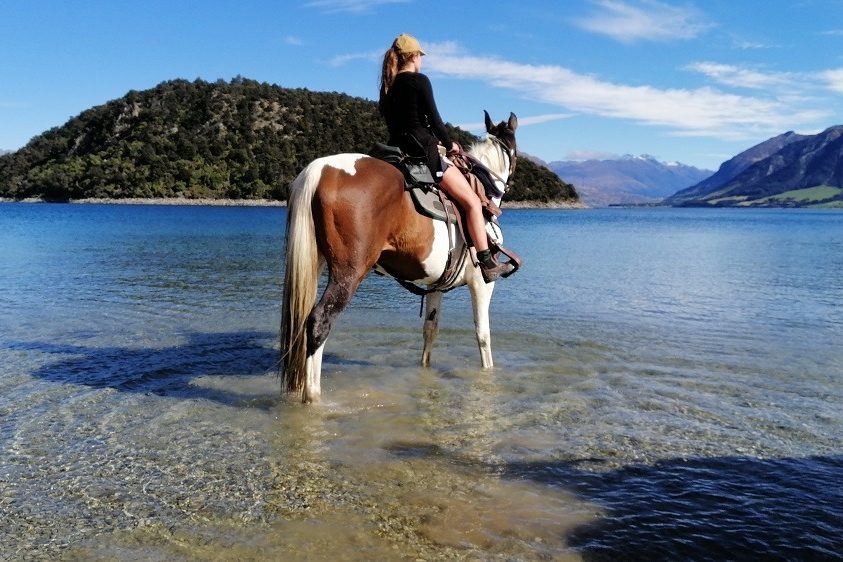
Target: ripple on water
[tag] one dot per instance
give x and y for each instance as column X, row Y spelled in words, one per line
column 659, row 408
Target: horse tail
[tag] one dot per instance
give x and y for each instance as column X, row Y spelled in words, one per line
column 301, row 277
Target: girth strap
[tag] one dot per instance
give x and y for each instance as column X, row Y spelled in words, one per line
column 454, row 263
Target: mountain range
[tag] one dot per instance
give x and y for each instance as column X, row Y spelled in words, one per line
column 626, row 179
column 788, row 170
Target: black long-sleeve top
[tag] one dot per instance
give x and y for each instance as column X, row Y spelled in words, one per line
column 408, row 107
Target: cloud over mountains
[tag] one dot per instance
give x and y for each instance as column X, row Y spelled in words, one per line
column 703, row 111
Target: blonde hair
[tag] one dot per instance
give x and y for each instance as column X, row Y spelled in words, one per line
column 393, row 61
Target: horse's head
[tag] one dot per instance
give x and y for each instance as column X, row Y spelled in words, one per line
column 503, row 135
column 503, row 131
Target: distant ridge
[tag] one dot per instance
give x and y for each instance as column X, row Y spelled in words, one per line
column 626, row 179
column 223, row 140
column 788, row 170
column 731, row 168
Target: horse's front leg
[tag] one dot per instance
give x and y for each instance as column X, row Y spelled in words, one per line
column 481, row 296
column 433, row 306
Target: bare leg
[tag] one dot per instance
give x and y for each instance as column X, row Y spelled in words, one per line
column 481, row 296
column 433, row 305
column 457, row 187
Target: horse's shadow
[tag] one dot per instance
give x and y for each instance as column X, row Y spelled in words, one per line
column 169, row 371
column 716, row 508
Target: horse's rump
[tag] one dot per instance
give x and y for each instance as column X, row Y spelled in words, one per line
column 353, row 208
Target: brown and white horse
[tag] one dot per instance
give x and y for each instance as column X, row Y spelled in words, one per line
column 352, row 213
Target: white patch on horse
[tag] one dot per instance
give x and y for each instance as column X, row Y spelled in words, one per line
column 494, row 231
column 345, row 162
column 434, row 264
column 313, row 384
column 490, row 153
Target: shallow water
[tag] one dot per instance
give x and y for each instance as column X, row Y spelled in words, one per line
column 668, row 385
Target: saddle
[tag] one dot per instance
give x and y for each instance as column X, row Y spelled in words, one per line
column 432, row 202
column 426, row 195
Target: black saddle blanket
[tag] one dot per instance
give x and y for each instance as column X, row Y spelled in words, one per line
column 417, row 180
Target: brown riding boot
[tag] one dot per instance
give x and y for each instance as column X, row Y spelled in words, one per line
column 490, row 268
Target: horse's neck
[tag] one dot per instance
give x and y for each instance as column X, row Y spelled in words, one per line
column 492, row 155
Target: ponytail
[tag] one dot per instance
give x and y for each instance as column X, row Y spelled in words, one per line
column 393, row 60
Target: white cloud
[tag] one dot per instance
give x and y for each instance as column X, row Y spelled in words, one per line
column 522, row 121
column 688, row 112
column 833, row 79
column 354, row 6
column 789, row 87
column 340, row 60
column 741, row 77
column 643, row 20
column 745, row 45
column 832, row 32
column 293, row 40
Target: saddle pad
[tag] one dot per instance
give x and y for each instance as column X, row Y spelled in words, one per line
column 428, row 204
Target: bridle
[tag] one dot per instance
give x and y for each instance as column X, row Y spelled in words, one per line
column 511, row 156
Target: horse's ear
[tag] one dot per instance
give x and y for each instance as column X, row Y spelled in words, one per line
column 513, row 122
column 489, row 124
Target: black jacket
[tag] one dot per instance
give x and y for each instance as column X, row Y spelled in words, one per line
column 411, row 116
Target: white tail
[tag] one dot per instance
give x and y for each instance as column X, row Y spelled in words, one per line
column 301, row 277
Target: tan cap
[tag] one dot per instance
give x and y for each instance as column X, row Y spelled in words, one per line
column 407, row 44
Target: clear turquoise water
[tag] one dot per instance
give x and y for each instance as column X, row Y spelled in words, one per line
column 668, row 384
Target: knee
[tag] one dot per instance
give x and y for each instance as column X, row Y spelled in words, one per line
column 473, row 204
column 470, row 203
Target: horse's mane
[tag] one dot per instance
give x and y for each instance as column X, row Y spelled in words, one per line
column 490, row 153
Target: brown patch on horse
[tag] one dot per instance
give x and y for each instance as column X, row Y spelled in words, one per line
column 368, row 218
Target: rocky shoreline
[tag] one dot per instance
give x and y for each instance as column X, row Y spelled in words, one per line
column 268, row 202
column 159, row 201
column 544, row 205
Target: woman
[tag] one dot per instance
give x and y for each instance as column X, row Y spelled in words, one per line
column 406, row 102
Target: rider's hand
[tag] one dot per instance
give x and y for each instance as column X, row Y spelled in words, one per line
column 455, row 148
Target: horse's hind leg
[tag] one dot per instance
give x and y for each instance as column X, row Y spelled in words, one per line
column 336, row 297
column 433, row 306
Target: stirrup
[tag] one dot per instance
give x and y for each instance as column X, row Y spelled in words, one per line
column 499, row 270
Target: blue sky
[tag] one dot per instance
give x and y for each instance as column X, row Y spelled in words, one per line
column 694, row 82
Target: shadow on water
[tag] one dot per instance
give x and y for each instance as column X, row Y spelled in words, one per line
column 168, row 371
column 700, row 508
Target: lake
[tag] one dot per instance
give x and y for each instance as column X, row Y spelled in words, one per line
column 668, row 385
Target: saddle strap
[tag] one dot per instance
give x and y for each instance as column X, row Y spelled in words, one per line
column 453, row 267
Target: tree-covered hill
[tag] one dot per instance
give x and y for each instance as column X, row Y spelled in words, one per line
column 240, row 139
